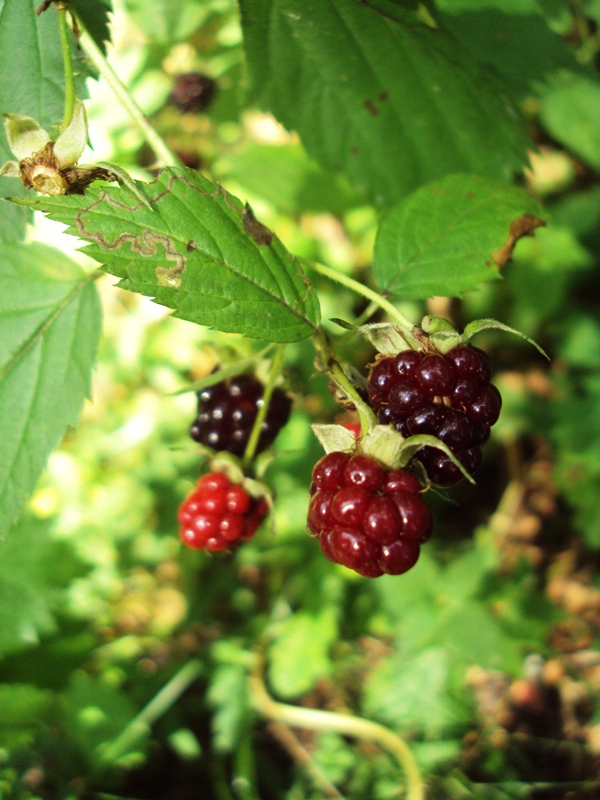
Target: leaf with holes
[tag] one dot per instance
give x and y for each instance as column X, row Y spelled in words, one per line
column 194, row 248
column 50, row 322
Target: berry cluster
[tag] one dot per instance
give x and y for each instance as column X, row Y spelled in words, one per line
column 227, row 411
column 448, row 396
column 218, row 513
column 367, row 518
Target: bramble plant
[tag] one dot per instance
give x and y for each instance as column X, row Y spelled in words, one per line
column 359, row 217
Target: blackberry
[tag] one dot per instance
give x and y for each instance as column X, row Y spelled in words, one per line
column 219, row 514
column 193, row 91
column 368, row 518
column 227, row 411
column 447, row 396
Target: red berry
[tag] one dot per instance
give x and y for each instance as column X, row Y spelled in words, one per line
column 399, row 557
column 360, row 510
column 349, row 505
column 364, row 472
column 217, row 514
column 329, row 472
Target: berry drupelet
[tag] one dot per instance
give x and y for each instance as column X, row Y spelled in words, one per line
column 447, row 396
column 227, row 410
column 368, row 518
column 219, row 514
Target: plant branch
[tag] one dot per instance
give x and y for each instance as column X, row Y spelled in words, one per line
column 345, row 724
column 274, row 372
column 68, row 65
column 160, row 704
column 165, row 156
column 395, row 314
column 334, row 368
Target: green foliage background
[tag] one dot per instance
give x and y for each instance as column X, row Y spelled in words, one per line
column 388, row 141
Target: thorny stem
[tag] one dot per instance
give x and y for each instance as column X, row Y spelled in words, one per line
column 165, row 156
column 394, row 314
column 68, row 64
column 345, row 724
column 274, row 373
column 337, row 373
column 159, row 705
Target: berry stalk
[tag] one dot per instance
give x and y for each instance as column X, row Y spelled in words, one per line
column 345, row 724
column 273, row 375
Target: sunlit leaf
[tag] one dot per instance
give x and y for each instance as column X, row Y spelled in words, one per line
column 196, row 249
column 50, row 323
column 451, row 235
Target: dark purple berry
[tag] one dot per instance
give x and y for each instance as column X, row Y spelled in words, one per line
column 192, row 91
column 381, row 379
column 435, row 376
column 405, row 398
column 227, row 411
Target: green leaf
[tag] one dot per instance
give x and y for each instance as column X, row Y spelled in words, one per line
column 95, row 19
column 50, row 322
column 450, row 236
column 378, row 94
column 571, row 113
column 96, row 714
column 501, row 39
column 31, row 574
column 31, row 66
column 31, row 83
column 199, row 251
column 300, row 654
column 414, row 693
column 23, row 707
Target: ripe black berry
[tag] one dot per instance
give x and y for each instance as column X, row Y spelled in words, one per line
column 219, row 514
column 193, row 91
column 447, row 396
column 227, row 410
column 369, row 519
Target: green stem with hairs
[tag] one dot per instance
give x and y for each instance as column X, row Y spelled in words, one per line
column 164, row 155
column 274, row 373
column 344, row 724
column 68, row 65
column 333, row 367
column 394, row 314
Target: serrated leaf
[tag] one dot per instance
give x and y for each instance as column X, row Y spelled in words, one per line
column 300, row 654
column 413, row 693
column 94, row 17
column 450, row 236
column 374, row 92
column 30, row 579
column 199, row 251
column 50, row 321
